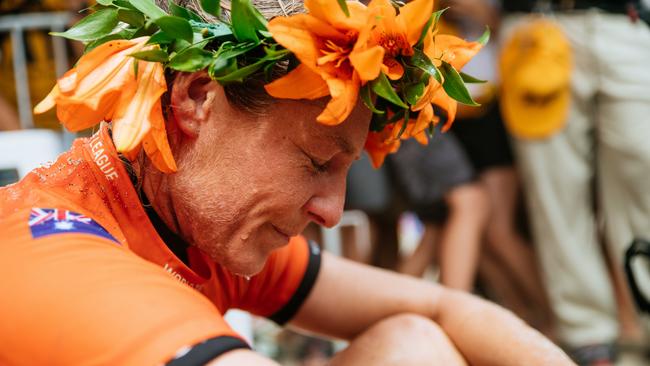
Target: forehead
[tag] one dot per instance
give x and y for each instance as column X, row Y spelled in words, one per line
column 298, row 119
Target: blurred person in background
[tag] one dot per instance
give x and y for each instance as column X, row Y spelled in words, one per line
column 508, row 266
column 576, row 98
column 438, row 184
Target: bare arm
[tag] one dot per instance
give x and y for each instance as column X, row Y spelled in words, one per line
column 349, row 297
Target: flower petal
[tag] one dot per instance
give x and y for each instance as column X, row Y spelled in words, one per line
column 131, row 121
column 291, row 33
column 392, row 69
column 454, row 50
column 413, row 16
column 424, row 118
column 329, row 11
column 341, row 105
column 378, row 146
column 421, row 137
column 77, row 116
column 97, row 58
column 94, row 96
column 425, row 99
column 48, row 102
column 156, row 144
column 367, row 62
column 446, row 103
column 300, row 83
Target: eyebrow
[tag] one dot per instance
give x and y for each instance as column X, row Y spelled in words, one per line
column 344, row 145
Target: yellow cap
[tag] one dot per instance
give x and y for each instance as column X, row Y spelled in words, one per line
column 535, row 69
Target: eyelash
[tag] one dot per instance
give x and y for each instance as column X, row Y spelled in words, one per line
column 319, row 167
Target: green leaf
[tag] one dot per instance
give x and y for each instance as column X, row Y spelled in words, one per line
column 191, row 60
column 177, row 26
column 344, row 6
column 132, row 17
column 422, row 61
column 413, row 92
column 378, row 122
column 179, row 45
column 469, row 79
column 105, row 2
column 123, row 34
column 148, row 8
column 424, row 31
column 432, row 22
column 382, row 87
column 211, row 7
column 404, row 124
column 231, row 49
column 397, row 116
column 214, row 30
column 160, row 38
column 92, row 27
column 246, row 21
column 123, row 4
column 239, row 74
column 183, row 12
column 156, row 55
column 436, row 16
column 366, row 97
column 485, row 37
column 221, row 67
column 454, row 86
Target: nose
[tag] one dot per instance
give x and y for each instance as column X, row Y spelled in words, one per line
column 326, row 206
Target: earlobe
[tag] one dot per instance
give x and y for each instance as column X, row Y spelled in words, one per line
column 192, row 100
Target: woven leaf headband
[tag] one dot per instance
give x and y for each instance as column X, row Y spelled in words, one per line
column 387, row 54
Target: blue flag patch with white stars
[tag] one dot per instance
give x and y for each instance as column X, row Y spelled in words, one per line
column 52, row 221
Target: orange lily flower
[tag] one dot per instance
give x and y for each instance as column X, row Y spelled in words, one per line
column 326, row 41
column 455, row 51
column 104, row 87
column 397, row 34
column 380, row 144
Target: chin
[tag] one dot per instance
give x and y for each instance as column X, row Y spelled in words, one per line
column 243, row 264
column 246, row 269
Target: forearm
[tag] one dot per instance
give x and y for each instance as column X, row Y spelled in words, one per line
column 487, row 334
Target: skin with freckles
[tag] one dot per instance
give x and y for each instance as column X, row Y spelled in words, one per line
column 247, row 182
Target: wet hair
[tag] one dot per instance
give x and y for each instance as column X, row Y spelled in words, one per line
column 249, row 95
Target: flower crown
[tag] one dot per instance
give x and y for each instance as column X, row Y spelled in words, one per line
column 388, row 54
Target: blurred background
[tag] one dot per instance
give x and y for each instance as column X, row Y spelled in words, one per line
column 531, row 200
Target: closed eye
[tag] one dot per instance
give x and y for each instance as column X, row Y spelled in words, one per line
column 320, row 167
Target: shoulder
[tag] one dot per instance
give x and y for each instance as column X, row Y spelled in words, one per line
column 33, row 223
column 105, row 301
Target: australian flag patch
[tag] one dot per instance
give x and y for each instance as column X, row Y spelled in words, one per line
column 52, row 221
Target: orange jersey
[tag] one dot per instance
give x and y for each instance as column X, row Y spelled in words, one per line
column 87, row 280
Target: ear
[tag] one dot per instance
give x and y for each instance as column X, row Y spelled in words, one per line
column 193, row 99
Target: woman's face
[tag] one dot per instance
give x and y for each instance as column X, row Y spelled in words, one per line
column 247, row 183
